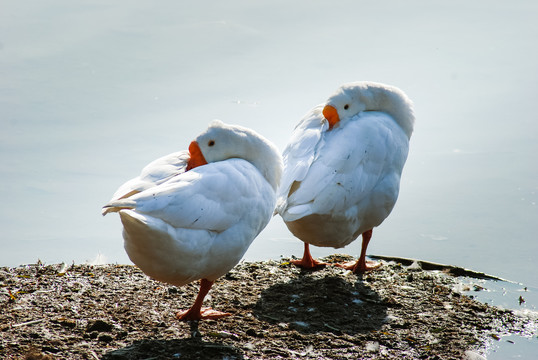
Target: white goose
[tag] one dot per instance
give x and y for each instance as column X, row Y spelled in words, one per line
column 342, row 168
column 192, row 214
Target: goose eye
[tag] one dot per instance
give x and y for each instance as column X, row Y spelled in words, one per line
column 211, row 143
column 346, row 106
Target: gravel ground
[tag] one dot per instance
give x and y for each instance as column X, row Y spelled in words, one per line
column 279, row 311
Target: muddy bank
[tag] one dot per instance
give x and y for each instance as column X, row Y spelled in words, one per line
column 279, row 311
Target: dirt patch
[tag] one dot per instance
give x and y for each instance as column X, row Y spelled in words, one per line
column 279, row 311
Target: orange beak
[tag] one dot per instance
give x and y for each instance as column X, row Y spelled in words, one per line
column 331, row 115
column 197, row 158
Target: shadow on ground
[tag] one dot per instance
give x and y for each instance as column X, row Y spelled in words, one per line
column 174, row 349
column 311, row 304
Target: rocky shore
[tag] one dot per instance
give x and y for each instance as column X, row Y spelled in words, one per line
column 279, row 312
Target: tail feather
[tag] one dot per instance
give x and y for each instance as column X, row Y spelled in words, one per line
column 117, row 205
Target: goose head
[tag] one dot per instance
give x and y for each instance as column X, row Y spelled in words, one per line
column 352, row 98
column 222, row 141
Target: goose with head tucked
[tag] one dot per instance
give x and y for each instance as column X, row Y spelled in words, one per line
column 192, row 215
column 342, row 168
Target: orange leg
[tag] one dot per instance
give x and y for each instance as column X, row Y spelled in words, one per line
column 362, row 265
column 196, row 312
column 307, row 262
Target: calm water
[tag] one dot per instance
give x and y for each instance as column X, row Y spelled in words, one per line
column 91, row 92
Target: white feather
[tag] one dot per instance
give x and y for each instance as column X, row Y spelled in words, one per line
column 181, row 226
column 348, row 177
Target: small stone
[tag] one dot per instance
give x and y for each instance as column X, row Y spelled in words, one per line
column 99, row 326
column 105, row 338
column 121, row 335
column 252, row 332
column 372, row 346
column 50, row 349
column 35, row 355
column 68, row 323
column 471, row 355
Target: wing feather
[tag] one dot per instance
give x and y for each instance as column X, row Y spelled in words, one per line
column 301, row 151
column 210, row 197
column 352, row 161
column 155, row 173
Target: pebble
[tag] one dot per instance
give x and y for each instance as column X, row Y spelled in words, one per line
column 252, row 332
column 372, row 346
column 99, row 326
column 105, row 338
column 471, row 355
